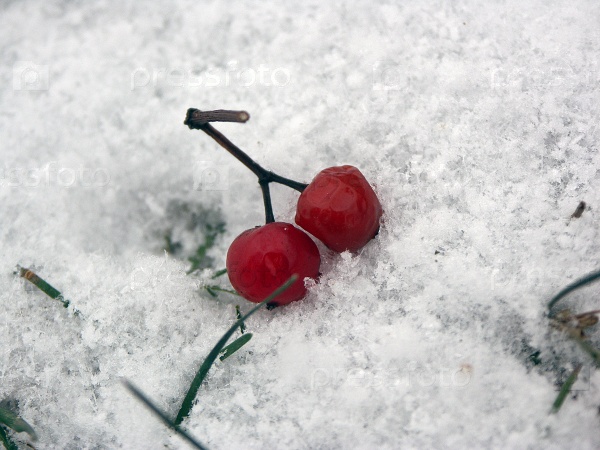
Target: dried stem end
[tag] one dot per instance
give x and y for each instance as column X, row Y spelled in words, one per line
column 196, row 118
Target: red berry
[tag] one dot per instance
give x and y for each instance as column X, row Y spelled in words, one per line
column 263, row 258
column 340, row 208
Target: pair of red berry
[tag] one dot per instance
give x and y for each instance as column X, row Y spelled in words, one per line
column 338, row 207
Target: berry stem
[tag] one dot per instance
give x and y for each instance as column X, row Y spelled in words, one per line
column 232, row 148
column 199, row 120
column 264, row 186
column 296, row 185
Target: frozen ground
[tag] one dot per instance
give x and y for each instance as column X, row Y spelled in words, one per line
column 476, row 121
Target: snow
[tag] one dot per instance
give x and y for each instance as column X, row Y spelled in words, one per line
column 477, row 123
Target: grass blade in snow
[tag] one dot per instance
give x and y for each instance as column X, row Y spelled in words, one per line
column 45, row 287
column 188, row 401
column 7, row 441
column 219, row 273
column 235, row 346
column 238, row 314
column 213, row 290
column 564, row 390
column 573, row 287
column 585, row 346
column 11, row 420
column 156, row 410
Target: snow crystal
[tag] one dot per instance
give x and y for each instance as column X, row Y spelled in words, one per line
column 476, row 123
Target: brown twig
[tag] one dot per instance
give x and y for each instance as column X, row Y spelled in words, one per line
column 195, row 118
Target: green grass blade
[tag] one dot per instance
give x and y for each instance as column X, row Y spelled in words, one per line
column 11, row 420
column 564, row 390
column 238, row 314
column 7, row 441
column 219, row 273
column 585, row 346
column 574, row 286
column 156, row 410
column 235, row 346
column 199, row 259
column 45, row 287
column 188, row 401
column 211, row 292
column 42, row 285
column 216, row 289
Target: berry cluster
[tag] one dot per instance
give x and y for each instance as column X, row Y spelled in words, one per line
column 338, row 207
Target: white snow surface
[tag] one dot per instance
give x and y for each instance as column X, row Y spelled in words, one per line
column 477, row 124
